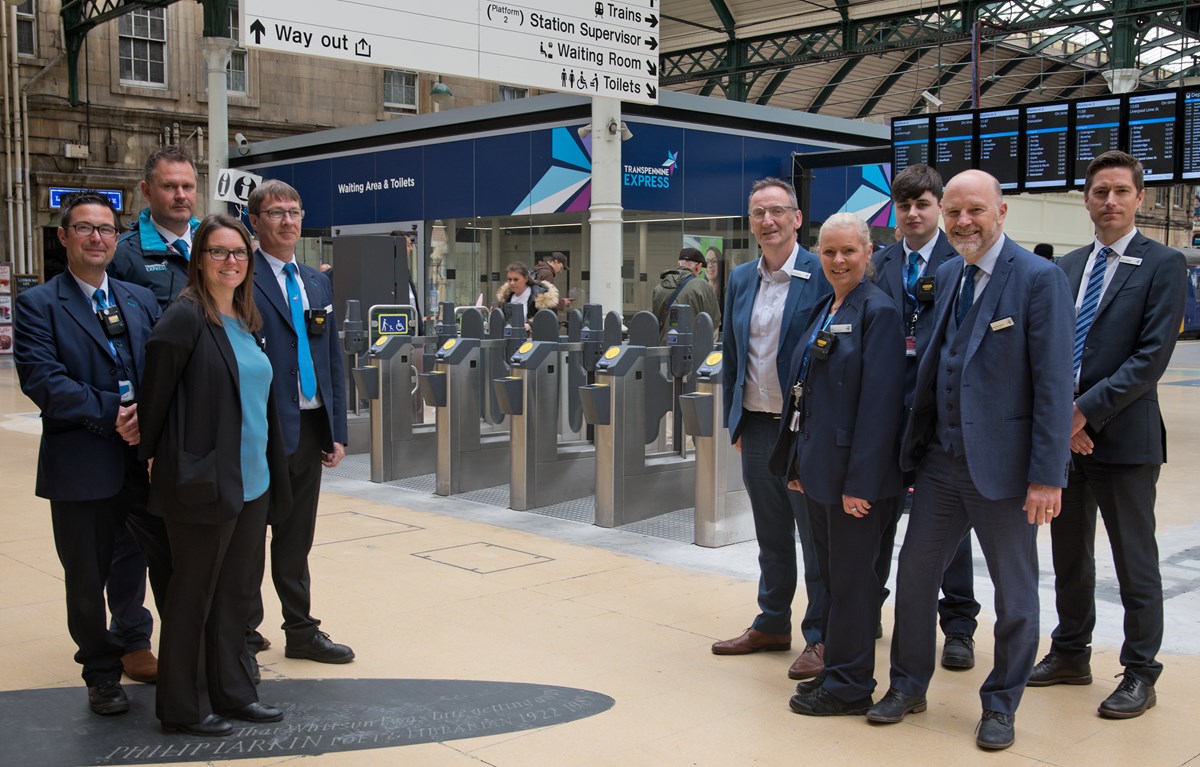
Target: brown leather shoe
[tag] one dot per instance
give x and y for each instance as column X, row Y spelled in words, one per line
column 141, row 666
column 810, row 663
column 753, row 641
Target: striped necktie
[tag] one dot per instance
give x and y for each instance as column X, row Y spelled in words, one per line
column 1091, row 302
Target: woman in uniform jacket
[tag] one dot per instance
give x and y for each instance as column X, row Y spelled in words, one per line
column 839, row 445
column 209, row 429
column 520, row 288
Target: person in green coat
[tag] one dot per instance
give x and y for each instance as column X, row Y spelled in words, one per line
column 684, row 285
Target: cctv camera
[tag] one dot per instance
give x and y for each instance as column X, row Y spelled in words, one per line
column 931, row 99
column 241, row 139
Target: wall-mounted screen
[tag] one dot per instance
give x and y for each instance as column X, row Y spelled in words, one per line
column 1046, row 146
column 953, row 143
column 1151, row 122
column 999, row 131
column 910, row 142
column 1097, row 130
column 1191, row 134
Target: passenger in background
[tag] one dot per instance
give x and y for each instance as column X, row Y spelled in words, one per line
column 1045, row 250
column 531, row 295
column 714, row 271
column 211, row 433
column 767, row 305
column 683, row 285
column 905, row 271
column 839, row 446
column 546, row 271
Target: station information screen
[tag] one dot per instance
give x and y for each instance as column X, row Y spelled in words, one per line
column 999, row 130
column 1152, row 133
column 1046, row 149
column 1097, row 130
column 910, row 142
column 953, row 143
column 1191, row 134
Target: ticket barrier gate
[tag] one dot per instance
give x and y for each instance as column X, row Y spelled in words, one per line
column 723, row 514
column 545, row 471
column 625, row 406
column 467, row 458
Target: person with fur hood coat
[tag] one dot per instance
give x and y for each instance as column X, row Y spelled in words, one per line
column 521, row 288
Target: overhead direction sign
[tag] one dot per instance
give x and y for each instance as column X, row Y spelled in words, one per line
column 588, row 47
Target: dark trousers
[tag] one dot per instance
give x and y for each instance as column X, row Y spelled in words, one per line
column 292, row 535
column 141, row 543
column 204, row 665
column 946, row 505
column 957, row 609
column 847, row 549
column 779, row 515
column 1125, row 495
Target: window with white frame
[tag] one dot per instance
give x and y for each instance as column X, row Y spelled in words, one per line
column 399, row 91
column 1161, row 195
column 512, row 93
column 143, row 42
column 235, row 71
column 27, row 29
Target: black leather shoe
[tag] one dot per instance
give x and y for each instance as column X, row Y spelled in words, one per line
column 894, row 706
column 321, row 648
column 1131, row 698
column 108, row 698
column 958, row 652
column 254, row 712
column 821, row 702
column 210, row 726
column 995, row 731
column 1054, row 669
column 808, row 685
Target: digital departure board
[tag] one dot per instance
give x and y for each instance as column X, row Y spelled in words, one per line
column 1046, row 149
column 999, row 130
column 1191, row 134
column 1151, row 123
column 1097, row 130
column 953, row 143
column 910, row 142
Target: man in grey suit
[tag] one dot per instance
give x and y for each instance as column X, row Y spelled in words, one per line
column 988, row 436
column 1130, row 295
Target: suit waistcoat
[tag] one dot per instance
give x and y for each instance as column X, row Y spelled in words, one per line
column 949, row 382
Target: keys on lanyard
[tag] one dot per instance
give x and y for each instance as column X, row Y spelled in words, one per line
column 797, row 396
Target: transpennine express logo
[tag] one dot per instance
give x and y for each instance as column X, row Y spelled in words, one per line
column 654, row 177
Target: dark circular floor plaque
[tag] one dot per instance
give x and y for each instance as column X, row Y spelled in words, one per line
column 55, row 727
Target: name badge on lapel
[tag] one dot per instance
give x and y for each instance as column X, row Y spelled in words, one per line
column 800, row 274
column 1007, row 322
column 841, row 328
column 1131, row 260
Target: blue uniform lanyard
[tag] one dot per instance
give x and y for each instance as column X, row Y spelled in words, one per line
column 807, row 360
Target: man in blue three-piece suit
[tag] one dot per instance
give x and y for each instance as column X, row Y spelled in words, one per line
column 905, row 271
column 988, row 436
column 767, row 306
column 80, row 341
column 296, row 303
column 1130, row 296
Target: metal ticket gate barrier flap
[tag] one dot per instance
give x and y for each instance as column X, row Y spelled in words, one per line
column 466, row 459
column 723, row 514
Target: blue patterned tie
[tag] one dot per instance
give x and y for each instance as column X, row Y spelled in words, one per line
column 308, row 378
column 967, row 297
column 102, row 303
column 182, row 246
column 911, row 271
column 1091, row 301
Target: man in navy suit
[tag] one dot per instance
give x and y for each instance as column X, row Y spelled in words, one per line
column 79, row 350
column 905, row 271
column 988, row 436
column 767, row 303
column 296, row 303
column 1130, row 295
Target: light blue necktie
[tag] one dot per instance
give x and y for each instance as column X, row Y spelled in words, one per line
column 967, row 297
column 1091, row 302
column 102, row 303
column 182, row 246
column 308, row 378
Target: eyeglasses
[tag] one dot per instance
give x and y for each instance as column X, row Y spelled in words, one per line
column 277, row 215
column 776, row 211
column 85, row 230
column 221, row 254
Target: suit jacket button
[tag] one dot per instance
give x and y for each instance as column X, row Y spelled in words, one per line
column 292, row 371
column 295, row 398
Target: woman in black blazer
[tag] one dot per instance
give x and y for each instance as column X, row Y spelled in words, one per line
column 208, row 427
column 839, row 445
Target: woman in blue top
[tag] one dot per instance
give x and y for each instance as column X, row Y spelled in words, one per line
column 209, row 429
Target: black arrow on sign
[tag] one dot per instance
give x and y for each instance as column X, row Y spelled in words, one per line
column 258, row 30
column 653, row 20
column 651, row 69
column 652, row 43
column 651, row 90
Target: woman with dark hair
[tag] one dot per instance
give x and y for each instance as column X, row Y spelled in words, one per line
column 210, row 432
column 521, row 288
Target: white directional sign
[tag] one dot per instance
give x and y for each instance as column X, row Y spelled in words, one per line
column 590, row 47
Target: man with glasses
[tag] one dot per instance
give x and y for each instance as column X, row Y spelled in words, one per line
column 296, row 302
column 79, row 352
column 768, row 302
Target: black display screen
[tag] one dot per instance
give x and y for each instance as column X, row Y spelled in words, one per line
column 999, row 130
column 1097, row 130
column 953, row 143
column 910, row 143
column 1046, row 146
column 1152, row 133
column 1191, row 134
